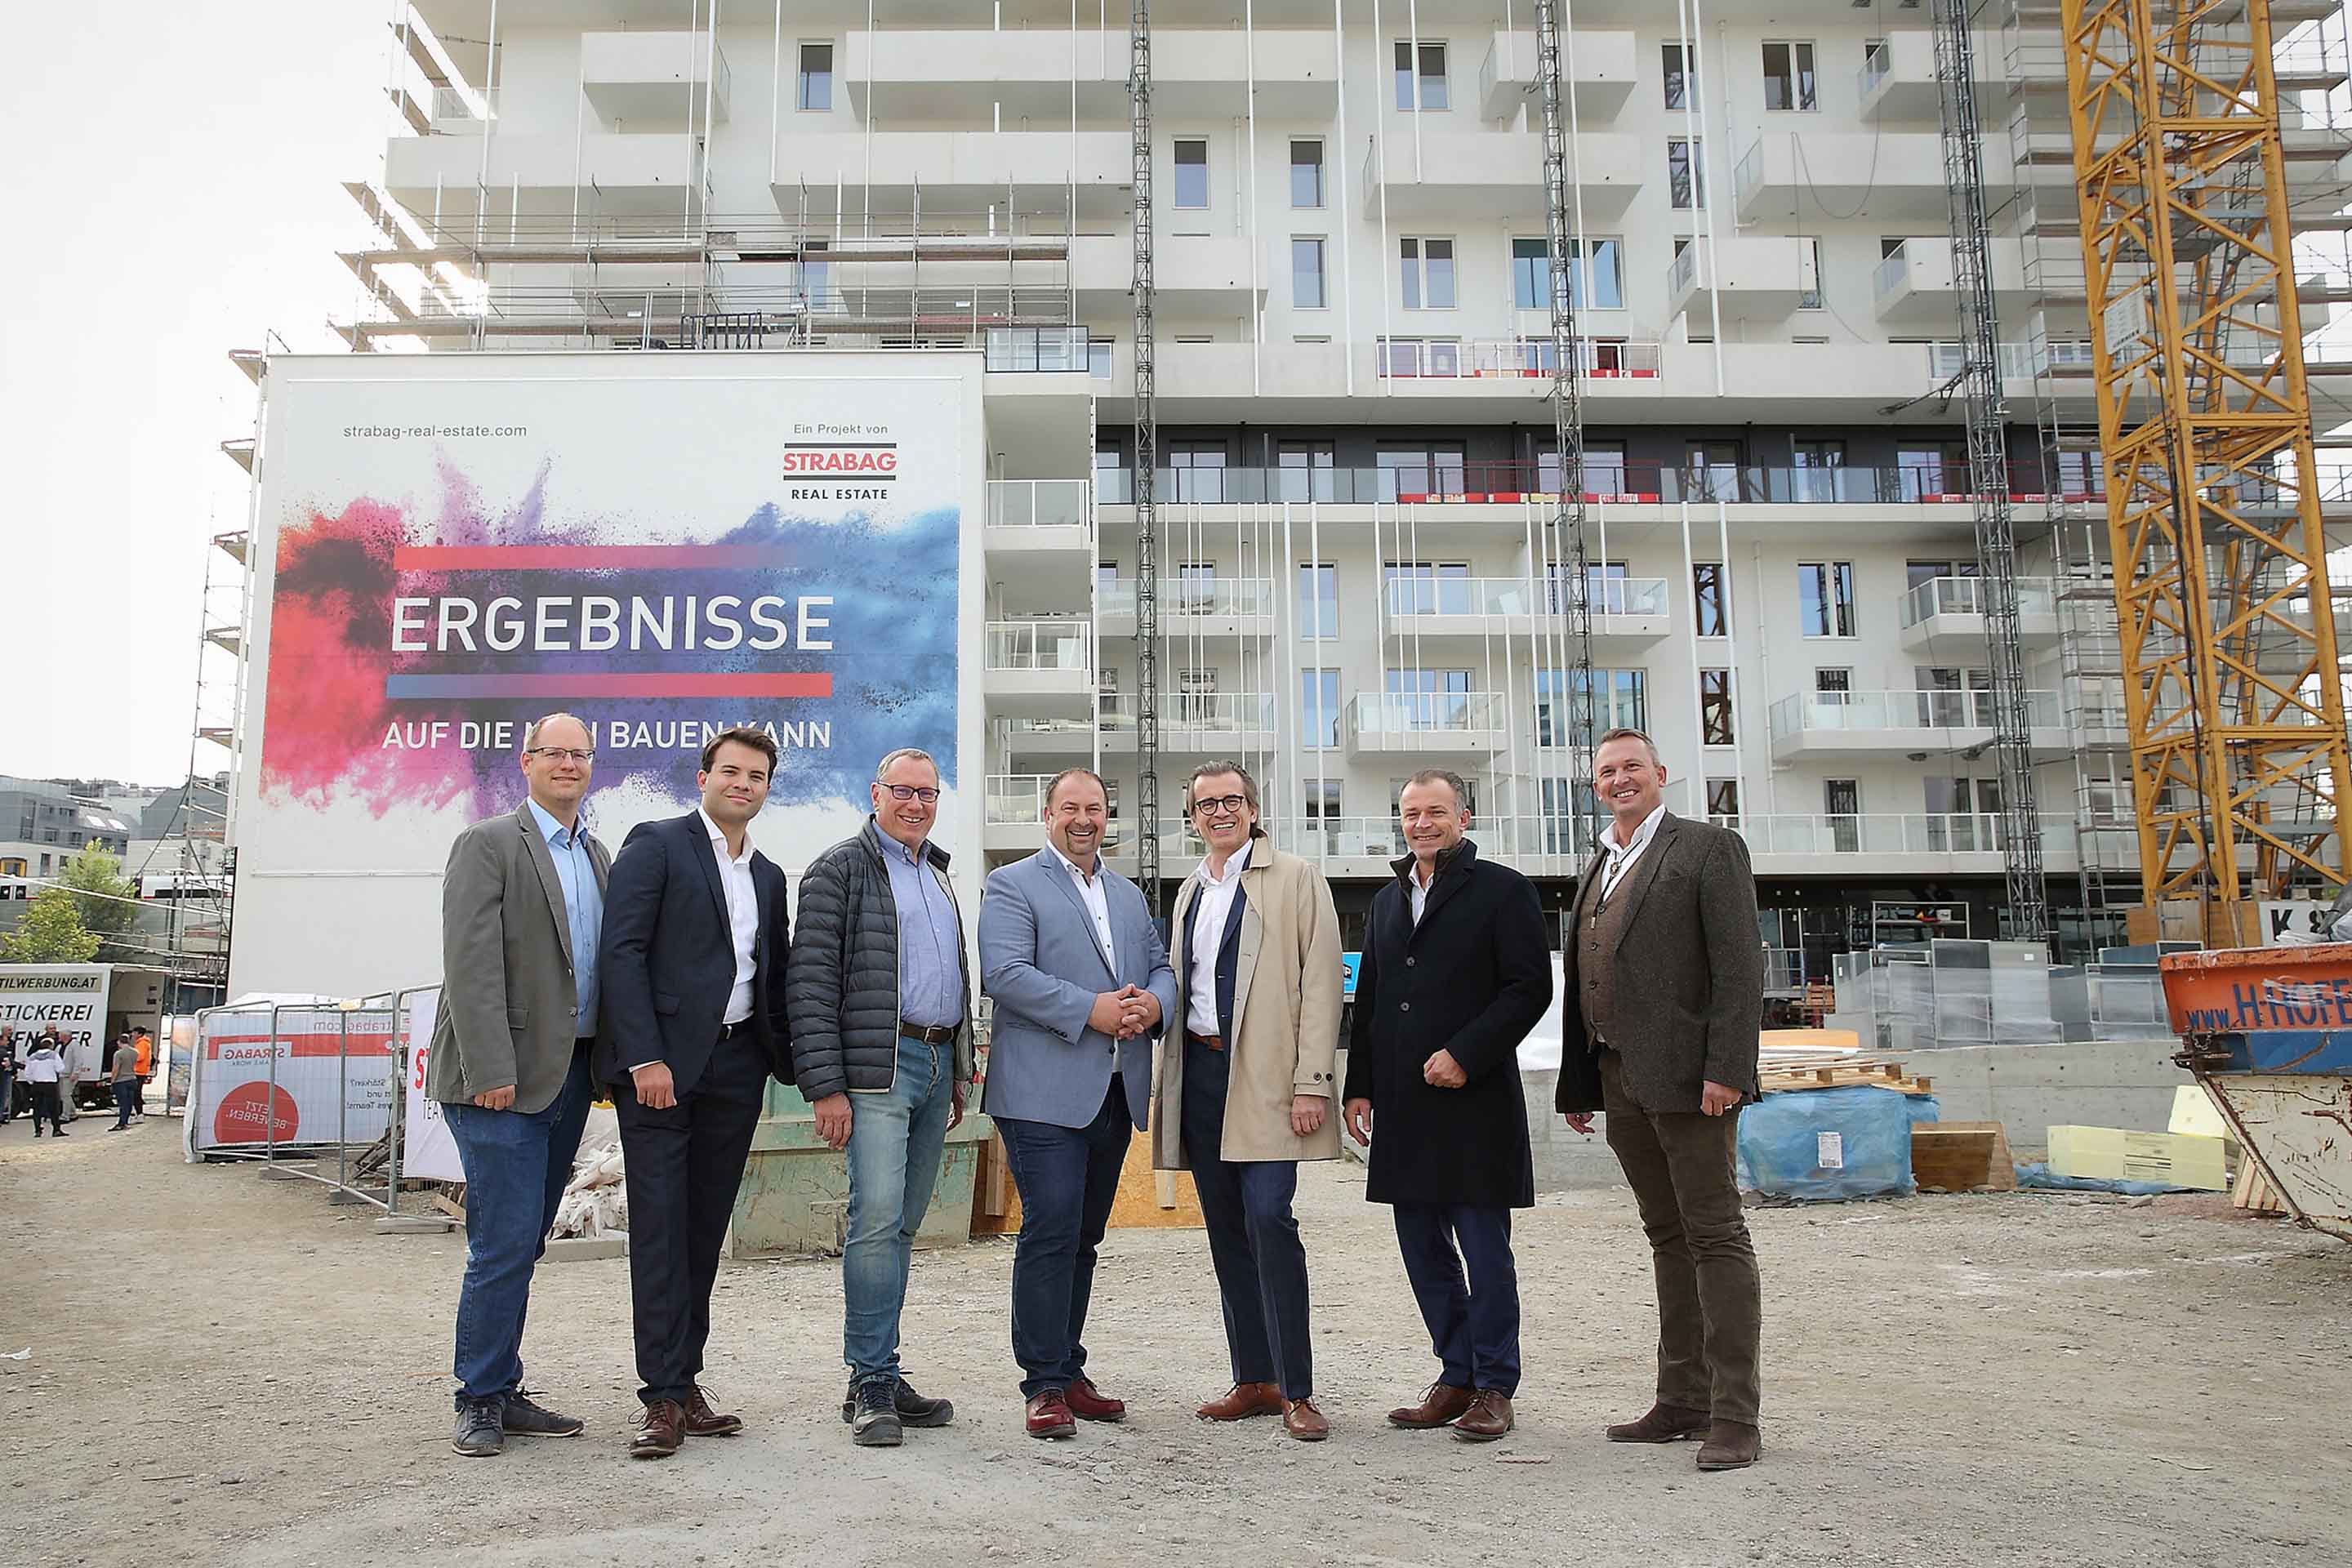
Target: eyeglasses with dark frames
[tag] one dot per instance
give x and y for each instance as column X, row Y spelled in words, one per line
column 923, row 793
column 1221, row 806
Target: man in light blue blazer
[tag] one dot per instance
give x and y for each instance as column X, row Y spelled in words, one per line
column 1081, row 985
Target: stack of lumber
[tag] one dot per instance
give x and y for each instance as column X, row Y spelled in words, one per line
column 1843, row 1072
column 2253, row 1192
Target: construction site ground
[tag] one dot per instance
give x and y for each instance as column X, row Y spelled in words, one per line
column 233, row 1370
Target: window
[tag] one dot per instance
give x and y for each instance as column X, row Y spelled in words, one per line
column 2082, row 473
column 1677, row 76
column 1196, row 589
column 1107, row 588
column 1199, row 471
column 1191, row 175
column 1723, row 801
column 1196, row 697
column 1685, row 173
column 1825, row 597
column 816, row 77
column 1620, row 698
column 1914, row 573
column 1595, row 275
column 1710, row 598
column 1428, row 698
column 1428, row 274
column 1831, row 681
column 1436, row 468
column 1715, row 714
column 1711, row 471
column 1319, row 710
column 1816, row 463
column 1423, row 89
column 1841, row 802
column 1789, row 77
column 1322, row 803
column 1319, row 601
column 817, row 272
column 1112, row 481
column 1418, row 588
column 1809, row 275
column 1420, row 356
column 1099, row 358
column 1932, row 469
column 1306, row 471
column 1306, row 173
column 1307, row 275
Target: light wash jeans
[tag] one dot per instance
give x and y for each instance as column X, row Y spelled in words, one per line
column 895, row 1140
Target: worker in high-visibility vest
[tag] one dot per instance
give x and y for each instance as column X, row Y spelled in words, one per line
column 145, row 1045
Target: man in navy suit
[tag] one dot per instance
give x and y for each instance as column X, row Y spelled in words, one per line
column 693, row 966
column 1081, row 983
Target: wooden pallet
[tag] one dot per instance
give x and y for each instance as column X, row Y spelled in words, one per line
column 1843, row 1074
column 2253, row 1192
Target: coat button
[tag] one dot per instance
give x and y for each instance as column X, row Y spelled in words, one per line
column 1408, row 963
column 1592, row 986
column 1404, row 1006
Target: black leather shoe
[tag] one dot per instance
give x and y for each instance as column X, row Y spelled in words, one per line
column 478, row 1434
column 527, row 1417
column 876, row 1424
column 913, row 1409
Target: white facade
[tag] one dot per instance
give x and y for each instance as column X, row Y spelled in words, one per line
column 1348, row 257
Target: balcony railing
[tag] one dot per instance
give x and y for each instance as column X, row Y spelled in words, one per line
column 1196, row 712
column 1016, row 797
column 1217, row 596
column 1455, row 481
column 1853, row 710
column 1415, row 712
column 1520, row 596
column 1876, row 833
column 1040, row 503
column 2018, row 361
column 1451, row 359
column 1038, row 644
column 1964, row 597
column 1894, row 266
column 1876, row 66
column 1046, row 349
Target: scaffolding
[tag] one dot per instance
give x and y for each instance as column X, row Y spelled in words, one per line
column 1147, row 456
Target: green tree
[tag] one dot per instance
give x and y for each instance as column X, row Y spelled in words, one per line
column 50, row 931
column 105, row 901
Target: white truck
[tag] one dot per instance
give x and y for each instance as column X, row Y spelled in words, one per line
column 89, row 1005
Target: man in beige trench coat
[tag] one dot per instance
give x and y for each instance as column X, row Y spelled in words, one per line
column 1246, row 1093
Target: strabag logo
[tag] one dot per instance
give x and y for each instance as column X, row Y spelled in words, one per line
column 865, row 462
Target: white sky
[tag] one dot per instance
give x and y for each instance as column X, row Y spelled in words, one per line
column 171, row 189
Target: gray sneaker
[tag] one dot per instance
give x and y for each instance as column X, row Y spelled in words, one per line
column 478, row 1434
column 526, row 1416
column 876, row 1424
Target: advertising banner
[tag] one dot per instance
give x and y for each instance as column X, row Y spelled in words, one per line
column 426, row 1148
column 332, row 1079
column 70, row 1000
column 450, row 549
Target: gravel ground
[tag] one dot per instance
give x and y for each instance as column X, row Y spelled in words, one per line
column 225, row 1370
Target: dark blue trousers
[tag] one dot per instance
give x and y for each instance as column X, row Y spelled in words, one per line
column 1473, row 1327
column 1252, row 1238
column 1067, row 1178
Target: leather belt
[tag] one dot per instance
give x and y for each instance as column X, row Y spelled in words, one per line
column 1207, row 1042
column 930, row 1034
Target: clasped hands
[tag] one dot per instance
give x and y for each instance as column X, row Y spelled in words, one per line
column 1125, row 1013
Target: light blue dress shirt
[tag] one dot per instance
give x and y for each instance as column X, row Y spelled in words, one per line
column 930, row 940
column 584, row 905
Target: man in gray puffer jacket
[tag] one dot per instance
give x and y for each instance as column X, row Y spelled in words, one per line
column 879, row 995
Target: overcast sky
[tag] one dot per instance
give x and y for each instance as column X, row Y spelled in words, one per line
column 172, row 190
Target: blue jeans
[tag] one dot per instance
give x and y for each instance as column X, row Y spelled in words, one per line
column 126, row 1101
column 1472, row 1327
column 896, row 1142
column 1069, row 1179
column 515, row 1167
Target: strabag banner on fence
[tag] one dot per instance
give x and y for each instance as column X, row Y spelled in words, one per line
column 426, row 1148
column 333, row 1078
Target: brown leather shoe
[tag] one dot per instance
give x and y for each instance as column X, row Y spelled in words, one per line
column 1664, row 1424
column 661, row 1431
column 1089, row 1403
column 1438, row 1407
column 702, row 1421
column 1049, row 1416
column 1729, row 1445
column 1246, row 1399
column 1304, row 1422
column 1488, row 1417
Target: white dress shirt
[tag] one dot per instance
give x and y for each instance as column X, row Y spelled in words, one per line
column 1622, row 856
column 1096, row 898
column 1211, row 907
column 742, row 914
column 1416, row 890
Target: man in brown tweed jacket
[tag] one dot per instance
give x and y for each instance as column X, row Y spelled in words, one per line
column 1664, row 1002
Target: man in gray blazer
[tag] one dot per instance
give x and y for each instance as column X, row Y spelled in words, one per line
column 1082, row 986
column 1663, row 1006
column 522, row 909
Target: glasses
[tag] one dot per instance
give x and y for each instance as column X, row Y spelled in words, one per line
column 561, row 753
column 923, row 793
column 1221, row 806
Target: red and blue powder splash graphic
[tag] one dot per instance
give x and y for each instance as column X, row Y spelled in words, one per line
column 337, row 687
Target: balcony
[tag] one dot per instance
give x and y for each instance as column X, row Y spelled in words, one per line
column 1915, row 286
column 1204, row 723
column 972, row 172
column 1507, row 359
column 1192, row 271
column 1013, row 816
column 1466, row 175
column 1898, row 82
column 968, row 73
column 1043, row 533
column 655, row 77
column 1598, row 66
column 437, row 177
column 1894, row 177
column 1431, row 723
column 1039, row 667
column 1750, row 278
column 1224, row 607
column 1633, row 609
column 1826, row 725
column 1954, row 607
column 1921, row 845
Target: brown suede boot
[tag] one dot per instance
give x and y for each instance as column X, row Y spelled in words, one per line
column 1729, row 1445
column 1664, row 1424
column 1488, row 1417
column 1438, row 1407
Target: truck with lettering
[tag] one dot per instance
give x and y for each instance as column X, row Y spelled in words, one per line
column 87, row 1004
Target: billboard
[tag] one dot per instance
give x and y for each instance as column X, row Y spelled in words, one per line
column 449, row 546
column 291, row 1077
